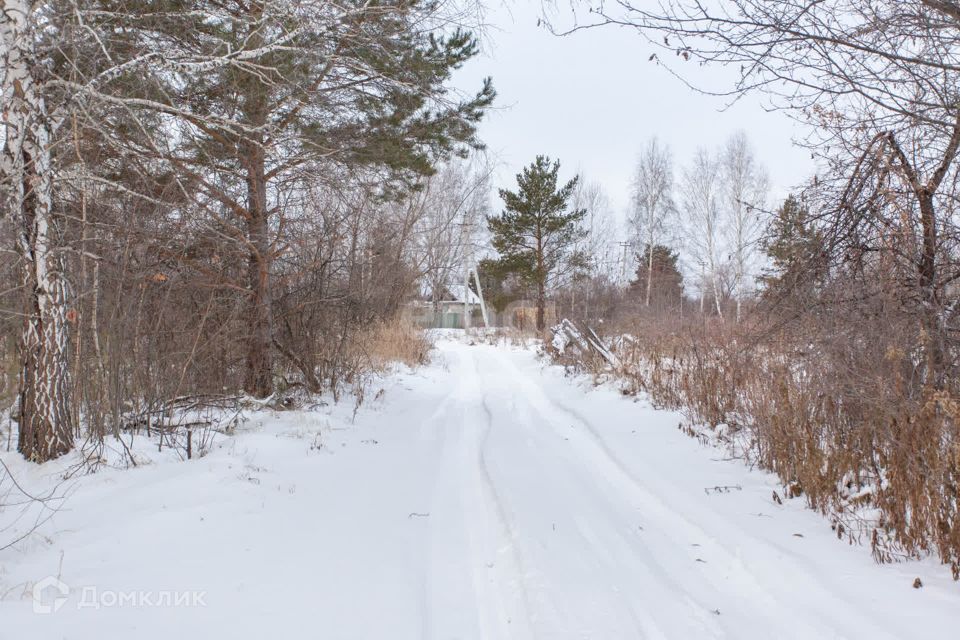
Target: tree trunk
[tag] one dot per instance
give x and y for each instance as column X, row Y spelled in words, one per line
column 741, row 268
column 649, row 269
column 45, row 425
column 932, row 327
column 715, row 281
column 716, row 296
column 703, row 291
column 541, row 284
column 541, row 307
column 259, row 375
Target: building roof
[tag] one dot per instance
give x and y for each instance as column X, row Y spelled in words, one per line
column 461, row 293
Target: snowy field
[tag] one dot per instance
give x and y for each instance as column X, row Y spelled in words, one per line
column 483, row 496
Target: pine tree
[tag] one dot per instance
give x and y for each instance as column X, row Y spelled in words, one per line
column 658, row 280
column 269, row 95
column 794, row 247
column 535, row 234
column 499, row 286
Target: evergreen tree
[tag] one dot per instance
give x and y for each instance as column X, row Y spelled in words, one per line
column 269, row 95
column 658, row 279
column 500, row 287
column 535, row 234
column 794, row 247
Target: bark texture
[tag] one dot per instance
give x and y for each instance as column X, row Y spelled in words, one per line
column 45, row 426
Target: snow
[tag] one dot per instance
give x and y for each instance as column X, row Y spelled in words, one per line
column 567, row 334
column 462, row 293
column 483, row 496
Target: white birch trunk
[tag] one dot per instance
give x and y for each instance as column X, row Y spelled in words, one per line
column 711, row 237
column 45, row 430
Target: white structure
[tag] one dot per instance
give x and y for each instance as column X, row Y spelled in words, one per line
column 478, row 296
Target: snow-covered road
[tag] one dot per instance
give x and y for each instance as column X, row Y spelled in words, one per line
column 485, row 496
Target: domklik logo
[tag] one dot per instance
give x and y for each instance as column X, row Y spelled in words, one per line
column 49, row 595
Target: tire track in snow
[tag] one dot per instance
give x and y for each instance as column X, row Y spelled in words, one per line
column 520, row 623
column 598, row 554
column 623, row 482
column 507, row 532
column 852, row 627
column 447, row 538
column 469, row 555
column 431, row 432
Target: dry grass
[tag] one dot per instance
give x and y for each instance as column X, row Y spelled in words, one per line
column 395, row 341
column 504, row 335
column 843, row 422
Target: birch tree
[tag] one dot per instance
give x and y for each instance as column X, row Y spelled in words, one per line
column 745, row 187
column 44, row 416
column 589, row 282
column 652, row 201
column 599, row 228
column 157, row 155
column 703, row 221
column 876, row 81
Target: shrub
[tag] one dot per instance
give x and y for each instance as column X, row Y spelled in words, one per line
column 836, row 410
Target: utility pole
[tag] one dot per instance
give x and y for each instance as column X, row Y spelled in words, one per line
column 623, row 262
column 483, row 305
column 466, row 300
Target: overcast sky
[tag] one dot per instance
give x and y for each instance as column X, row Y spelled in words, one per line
column 591, row 99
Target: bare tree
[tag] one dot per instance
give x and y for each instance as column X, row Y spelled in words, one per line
column 653, row 203
column 452, row 205
column 745, row 186
column 589, row 283
column 703, row 221
column 599, row 226
column 220, row 187
column 869, row 252
column 876, row 80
